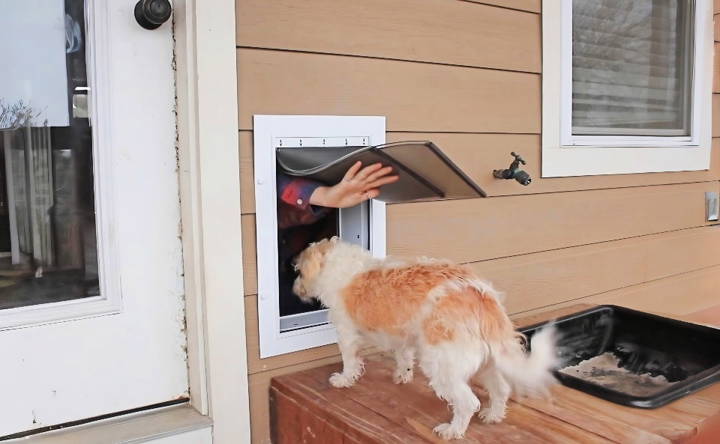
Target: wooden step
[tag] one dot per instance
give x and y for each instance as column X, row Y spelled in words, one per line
column 305, row 408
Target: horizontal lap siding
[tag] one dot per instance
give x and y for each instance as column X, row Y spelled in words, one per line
column 487, row 229
column 716, row 115
column 413, row 96
column 465, row 74
column 523, row 5
column 436, row 31
column 479, row 229
column 716, row 65
column 677, row 295
column 544, row 279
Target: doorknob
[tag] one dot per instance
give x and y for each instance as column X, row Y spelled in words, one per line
column 150, row 14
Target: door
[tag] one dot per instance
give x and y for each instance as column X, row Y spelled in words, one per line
column 91, row 288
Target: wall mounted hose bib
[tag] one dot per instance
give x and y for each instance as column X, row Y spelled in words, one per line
column 514, row 171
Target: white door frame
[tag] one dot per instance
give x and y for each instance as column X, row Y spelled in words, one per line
column 210, row 202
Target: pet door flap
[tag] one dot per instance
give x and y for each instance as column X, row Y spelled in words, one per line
column 425, row 171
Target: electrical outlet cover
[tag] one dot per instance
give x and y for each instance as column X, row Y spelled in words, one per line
column 712, row 205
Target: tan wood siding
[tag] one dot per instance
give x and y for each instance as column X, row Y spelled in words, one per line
column 247, row 173
column 527, row 224
column 544, row 279
column 489, row 228
column 716, row 67
column 472, row 99
column 525, row 5
column 479, row 154
column 548, row 278
column 249, row 241
column 716, row 115
column 438, row 31
column 675, row 295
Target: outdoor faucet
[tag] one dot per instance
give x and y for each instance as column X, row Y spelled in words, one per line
column 514, row 171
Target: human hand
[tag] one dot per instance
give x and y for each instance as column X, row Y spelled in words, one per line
column 356, row 187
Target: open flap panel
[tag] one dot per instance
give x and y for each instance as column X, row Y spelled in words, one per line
column 425, row 172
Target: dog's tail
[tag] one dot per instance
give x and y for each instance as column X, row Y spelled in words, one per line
column 529, row 374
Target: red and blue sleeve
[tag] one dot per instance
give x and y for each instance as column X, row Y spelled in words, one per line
column 294, row 193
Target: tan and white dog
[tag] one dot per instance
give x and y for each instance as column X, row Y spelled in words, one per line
column 439, row 311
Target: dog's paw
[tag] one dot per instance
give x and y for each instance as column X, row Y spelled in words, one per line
column 448, row 431
column 490, row 416
column 403, row 375
column 339, row 380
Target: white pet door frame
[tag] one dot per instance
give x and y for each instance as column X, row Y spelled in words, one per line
column 364, row 224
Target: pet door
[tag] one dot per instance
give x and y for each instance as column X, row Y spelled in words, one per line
column 285, row 323
column 350, row 224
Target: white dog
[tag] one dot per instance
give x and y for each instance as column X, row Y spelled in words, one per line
column 442, row 312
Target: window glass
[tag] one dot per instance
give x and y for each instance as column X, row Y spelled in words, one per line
column 47, row 215
column 631, row 67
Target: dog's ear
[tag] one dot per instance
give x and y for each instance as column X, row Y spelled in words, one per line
column 314, row 257
column 334, row 240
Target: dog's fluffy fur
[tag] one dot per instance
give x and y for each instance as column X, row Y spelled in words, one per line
column 441, row 312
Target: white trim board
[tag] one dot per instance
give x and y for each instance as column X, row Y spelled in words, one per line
column 619, row 155
column 267, row 129
column 209, row 189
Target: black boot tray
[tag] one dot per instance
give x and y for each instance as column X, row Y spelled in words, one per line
column 638, row 359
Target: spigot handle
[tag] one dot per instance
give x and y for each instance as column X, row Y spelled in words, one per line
column 518, row 157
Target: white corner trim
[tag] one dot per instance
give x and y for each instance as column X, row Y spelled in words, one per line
column 561, row 160
column 266, row 129
column 210, row 201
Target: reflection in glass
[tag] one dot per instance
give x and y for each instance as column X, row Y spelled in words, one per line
column 632, row 67
column 48, row 249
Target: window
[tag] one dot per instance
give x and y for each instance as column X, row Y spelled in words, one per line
column 47, row 215
column 626, row 86
column 48, row 243
column 285, row 324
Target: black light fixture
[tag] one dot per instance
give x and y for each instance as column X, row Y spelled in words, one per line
column 151, row 14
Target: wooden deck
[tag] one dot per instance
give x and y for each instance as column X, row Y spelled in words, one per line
column 306, row 409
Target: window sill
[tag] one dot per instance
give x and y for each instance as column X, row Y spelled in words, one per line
column 139, row 427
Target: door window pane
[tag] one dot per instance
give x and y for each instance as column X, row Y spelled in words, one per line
column 48, row 247
column 631, row 67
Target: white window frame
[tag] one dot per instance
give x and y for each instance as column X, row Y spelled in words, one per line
column 110, row 299
column 267, row 130
column 566, row 155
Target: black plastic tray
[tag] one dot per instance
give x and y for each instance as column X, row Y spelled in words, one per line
column 686, row 354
